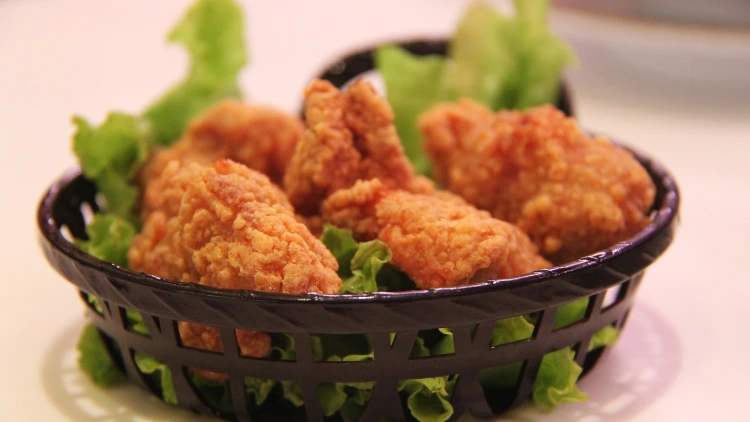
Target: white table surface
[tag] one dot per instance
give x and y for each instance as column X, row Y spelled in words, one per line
column 683, row 356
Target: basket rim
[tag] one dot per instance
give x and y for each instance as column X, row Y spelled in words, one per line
column 664, row 214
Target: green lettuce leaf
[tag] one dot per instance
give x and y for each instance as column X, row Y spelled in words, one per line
column 576, row 311
column 135, row 322
column 503, row 62
column 607, row 336
column 540, row 57
column 342, row 245
column 558, row 373
column 429, row 398
column 110, row 155
column 348, row 399
column 364, row 267
column 556, row 381
column 160, row 373
column 110, row 237
column 481, row 52
column 413, row 85
column 511, row 330
column 359, row 263
column 95, row 303
column 94, row 358
column 212, row 31
column 258, row 389
column 570, row 313
column 215, row 393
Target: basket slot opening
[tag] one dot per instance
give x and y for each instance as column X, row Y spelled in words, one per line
column 249, row 344
column 513, row 330
column 430, row 398
column 114, row 351
column 433, row 342
column 615, row 294
column 500, row 385
column 93, row 303
column 186, row 392
column 589, row 349
column 573, row 313
column 469, row 396
column 133, row 321
column 153, row 324
column 72, row 221
column 402, row 343
column 151, row 374
column 592, row 357
column 66, row 233
column 348, row 348
column 87, row 212
column 199, row 337
column 347, row 401
column 526, row 379
column 282, row 348
column 212, row 390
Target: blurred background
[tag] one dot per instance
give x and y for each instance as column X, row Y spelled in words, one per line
column 668, row 77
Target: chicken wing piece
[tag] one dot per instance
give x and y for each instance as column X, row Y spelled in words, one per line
column 573, row 194
column 438, row 240
column 350, row 137
column 259, row 137
column 231, row 229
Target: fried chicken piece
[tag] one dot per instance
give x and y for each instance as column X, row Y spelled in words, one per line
column 232, row 229
column 165, row 192
column 350, row 137
column 571, row 193
column 439, row 241
column 235, row 230
column 259, row 137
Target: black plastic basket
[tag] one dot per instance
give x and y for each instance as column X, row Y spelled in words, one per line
column 470, row 311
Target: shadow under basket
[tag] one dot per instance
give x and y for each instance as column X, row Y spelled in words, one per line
column 392, row 322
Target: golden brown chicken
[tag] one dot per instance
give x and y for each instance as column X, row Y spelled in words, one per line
column 350, row 137
column 439, row 241
column 259, row 137
column 227, row 226
column 571, row 193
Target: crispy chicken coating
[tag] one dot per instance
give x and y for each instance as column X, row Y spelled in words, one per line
column 350, row 137
column 571, row 193
column 439, row 241
column 164, row 193
column 231, row 229
column 259, row 137
column 235, row 230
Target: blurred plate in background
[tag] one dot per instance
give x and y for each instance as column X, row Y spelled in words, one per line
column 702, row 12
column 631, row 56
